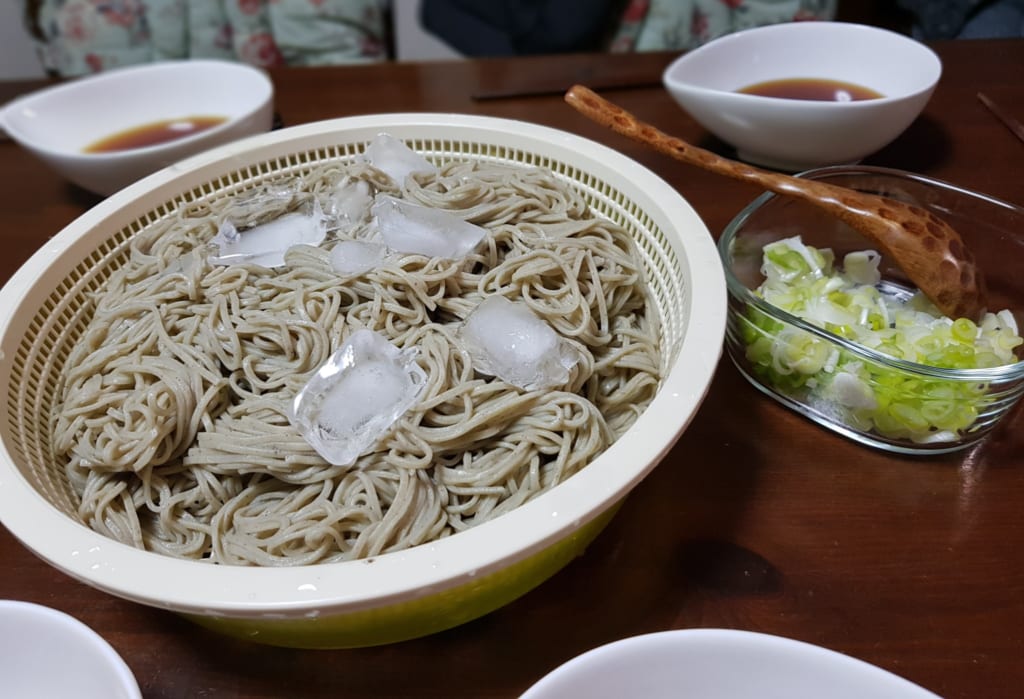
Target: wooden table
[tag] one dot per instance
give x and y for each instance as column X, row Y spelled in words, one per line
column 756, row 520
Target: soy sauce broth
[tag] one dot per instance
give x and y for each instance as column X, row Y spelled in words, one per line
column 154, row 133
column 817, row 89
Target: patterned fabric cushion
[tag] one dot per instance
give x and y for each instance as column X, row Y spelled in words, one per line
column 75, row 37
column 653, row 25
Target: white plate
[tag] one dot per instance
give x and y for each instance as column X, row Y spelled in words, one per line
column 47, row 653
column 719, row 664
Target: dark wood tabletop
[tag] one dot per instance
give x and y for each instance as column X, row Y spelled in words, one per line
column 756, row 520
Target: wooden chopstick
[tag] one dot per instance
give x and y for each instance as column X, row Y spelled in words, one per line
column 558, row 87
column 1015, row 127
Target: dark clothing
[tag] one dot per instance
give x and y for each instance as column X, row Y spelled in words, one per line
column 510, row 27
column 966, row 19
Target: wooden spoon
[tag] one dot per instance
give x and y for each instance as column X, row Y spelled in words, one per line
column 927, row 249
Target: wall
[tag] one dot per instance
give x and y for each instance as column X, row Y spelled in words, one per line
column 412, row 42
column 17, row 55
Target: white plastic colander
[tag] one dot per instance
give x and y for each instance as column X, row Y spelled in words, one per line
column 43, row 312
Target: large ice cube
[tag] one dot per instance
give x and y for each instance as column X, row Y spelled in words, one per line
column 356, row 396
column 351, row 257
column 350, row 203
column 508, row 340
column 408, row 227
column 266, row 244
column 394, row 158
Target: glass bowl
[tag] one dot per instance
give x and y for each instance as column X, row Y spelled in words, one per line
column 863, row 392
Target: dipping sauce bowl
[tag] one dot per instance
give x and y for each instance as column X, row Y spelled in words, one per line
column 84, row 128
column 798, row 134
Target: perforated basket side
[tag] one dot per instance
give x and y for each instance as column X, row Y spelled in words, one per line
column 60, row 320
column 37, row 365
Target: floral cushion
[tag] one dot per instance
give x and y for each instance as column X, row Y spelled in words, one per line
column 651, row 25
column 75, row 37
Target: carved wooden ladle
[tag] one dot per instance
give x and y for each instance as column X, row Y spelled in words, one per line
column 925, row 247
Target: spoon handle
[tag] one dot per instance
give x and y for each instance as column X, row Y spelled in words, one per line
column 928, row 250
column 600, row 110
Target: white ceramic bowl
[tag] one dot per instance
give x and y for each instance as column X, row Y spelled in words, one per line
column 58, row 123
column 47, row 653
column 719, row 664
column 396, row 595
column 796, row 134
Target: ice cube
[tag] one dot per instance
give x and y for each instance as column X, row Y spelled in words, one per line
column 352, row 257
column 278, row 195
column 350, row 203
column 356, row 396
column 394, row 158
column 508, row 340
column 266, row 243
column 183, row 264
column 408, row 227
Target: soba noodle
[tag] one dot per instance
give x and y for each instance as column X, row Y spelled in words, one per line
column 173, row 413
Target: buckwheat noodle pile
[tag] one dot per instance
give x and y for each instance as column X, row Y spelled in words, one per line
column 173, row 408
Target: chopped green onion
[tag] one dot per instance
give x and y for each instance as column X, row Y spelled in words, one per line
column 805, row 282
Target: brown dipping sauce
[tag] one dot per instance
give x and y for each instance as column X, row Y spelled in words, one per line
column 154, row 133
column 819, row 89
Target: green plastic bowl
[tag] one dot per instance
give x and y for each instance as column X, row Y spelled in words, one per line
column 395, row 596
